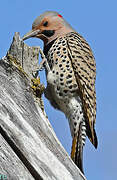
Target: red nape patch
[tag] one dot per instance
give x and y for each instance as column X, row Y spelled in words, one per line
column 60, row 16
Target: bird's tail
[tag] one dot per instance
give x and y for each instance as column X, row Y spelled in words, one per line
column 77, row 147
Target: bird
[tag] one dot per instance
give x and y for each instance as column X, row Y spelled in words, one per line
column 71, row 74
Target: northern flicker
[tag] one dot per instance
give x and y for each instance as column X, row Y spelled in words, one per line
column 71, row 72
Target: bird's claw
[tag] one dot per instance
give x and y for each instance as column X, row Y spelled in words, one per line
column 44, row 62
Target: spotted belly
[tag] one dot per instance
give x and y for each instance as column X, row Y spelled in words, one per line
column 61, row 81
column 60, row 89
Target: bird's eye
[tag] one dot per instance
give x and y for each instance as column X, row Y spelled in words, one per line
column 45, row 23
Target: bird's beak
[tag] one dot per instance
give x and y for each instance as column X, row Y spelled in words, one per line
column 32, row 33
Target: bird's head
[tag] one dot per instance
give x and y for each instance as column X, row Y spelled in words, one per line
column 48, row 26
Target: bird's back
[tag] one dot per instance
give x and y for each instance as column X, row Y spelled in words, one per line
column 71, row 88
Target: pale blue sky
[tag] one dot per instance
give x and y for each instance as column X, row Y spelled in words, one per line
column 96, row 21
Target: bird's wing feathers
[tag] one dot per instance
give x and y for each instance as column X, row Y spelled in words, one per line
column 84, row 67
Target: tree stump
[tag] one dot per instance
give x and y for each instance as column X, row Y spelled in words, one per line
column 29, row 148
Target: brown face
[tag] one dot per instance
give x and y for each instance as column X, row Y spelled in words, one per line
column 46, row 29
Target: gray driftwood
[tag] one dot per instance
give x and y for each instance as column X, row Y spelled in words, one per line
column 29, row 148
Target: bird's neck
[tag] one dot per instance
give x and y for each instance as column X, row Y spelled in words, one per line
column 48, row 46
column 58, row 33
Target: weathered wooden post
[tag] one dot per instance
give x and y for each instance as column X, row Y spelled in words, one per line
column 29, row 148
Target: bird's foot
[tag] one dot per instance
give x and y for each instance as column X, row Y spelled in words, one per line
column 44, row 63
